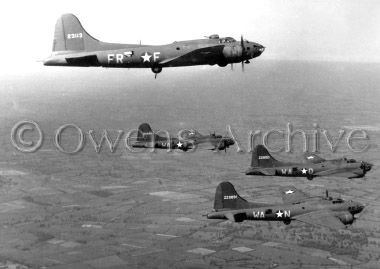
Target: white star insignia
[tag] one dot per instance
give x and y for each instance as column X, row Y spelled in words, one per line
column 279, row 214
column 304, row 171
column 179, row 144
column 289, row 192
column 146, row 57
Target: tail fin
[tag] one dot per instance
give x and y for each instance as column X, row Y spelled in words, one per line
column 262, row 158
column 69, row 35
column 226, row 197
column 144, row 130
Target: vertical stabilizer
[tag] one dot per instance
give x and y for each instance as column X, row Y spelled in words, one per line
column 69, row 35
column 226, row 197
column 262, row 158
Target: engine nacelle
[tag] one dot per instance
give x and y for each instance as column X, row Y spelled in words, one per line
column 346, row 218
column 222, row 145
column 233, row 53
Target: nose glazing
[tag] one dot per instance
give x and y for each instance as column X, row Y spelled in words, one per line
column 258, row 49
column 360, row 207
column 366, row 166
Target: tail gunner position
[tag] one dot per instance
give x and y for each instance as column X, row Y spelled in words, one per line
column 73, row 46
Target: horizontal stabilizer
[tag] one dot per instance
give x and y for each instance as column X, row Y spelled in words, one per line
column 291, row 195
column 312, row 158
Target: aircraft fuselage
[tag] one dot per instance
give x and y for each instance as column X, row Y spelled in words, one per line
column 351, row 170
column 287, row 212
column 170, row 55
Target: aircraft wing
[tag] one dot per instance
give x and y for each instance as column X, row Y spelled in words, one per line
column 323, row 218
column 211, row 52
column 312, row 158
column 291, row 195
column 205, row 145
column 341, row 172
column 348, row 173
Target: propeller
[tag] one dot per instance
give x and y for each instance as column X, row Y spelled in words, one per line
column 243, row 51
column 365, row 166
column 225, row 141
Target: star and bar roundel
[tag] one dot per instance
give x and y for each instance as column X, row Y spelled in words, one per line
column 279, row 214
column 148, row 57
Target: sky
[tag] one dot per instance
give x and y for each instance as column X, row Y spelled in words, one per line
column 320, row 30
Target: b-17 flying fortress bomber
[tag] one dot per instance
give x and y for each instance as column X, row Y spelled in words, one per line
column 146, row 138
column 334, row 213
column 73, row 46
column 313, row 166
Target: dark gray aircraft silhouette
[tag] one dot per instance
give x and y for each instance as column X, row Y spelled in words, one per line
column 73, row 46
column 146, row 138
column 313, row 166
column 320, row 211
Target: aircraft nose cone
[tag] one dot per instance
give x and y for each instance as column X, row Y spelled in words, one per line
column 366, row 166
column 360, row 207
column 258, row 50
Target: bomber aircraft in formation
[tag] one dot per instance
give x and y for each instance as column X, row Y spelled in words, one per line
column 73, row 46
column 313, row 166
column 146, row 138
column 334, row 213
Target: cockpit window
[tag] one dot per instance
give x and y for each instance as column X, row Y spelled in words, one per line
column 227, row 40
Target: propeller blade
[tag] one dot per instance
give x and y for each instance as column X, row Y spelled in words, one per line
column 242, row 52
column 232, row 67
column 242, row 45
